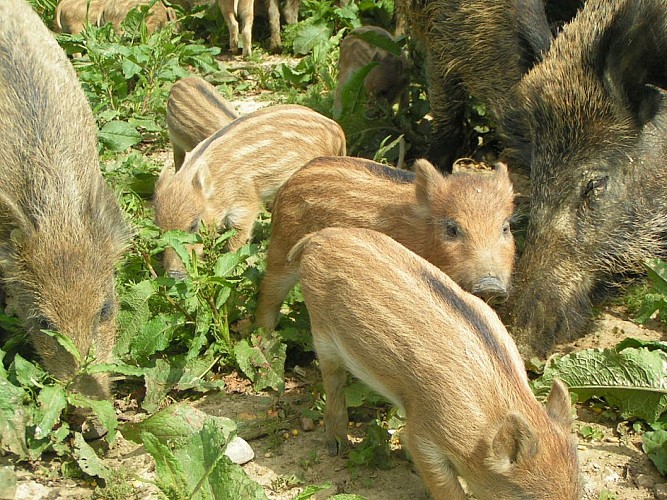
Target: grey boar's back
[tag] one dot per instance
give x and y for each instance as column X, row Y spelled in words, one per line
column 61, row 228
column 594, row 132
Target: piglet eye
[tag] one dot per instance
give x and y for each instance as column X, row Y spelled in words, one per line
column 195, row 226
column 506, row 227
column 107, row 311
column 596, row 187
column 451, row 229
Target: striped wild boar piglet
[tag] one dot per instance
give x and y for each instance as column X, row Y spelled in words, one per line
column 61, row 227
column 459, row 222
column 225, row 180
column 387, row 81
column 195, row 110
column 445, row 358
column 115, row 11
column 71, row 16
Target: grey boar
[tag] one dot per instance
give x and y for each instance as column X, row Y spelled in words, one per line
column 244, row 11
column 72, row 16
column 115, row 11
column 596, row 119
column 459, row 222
column 272, row 10
column 226, row 178
column 195, row 111
column 61, row 227
column 412, row 334
column 387, row 81
column 479, row 48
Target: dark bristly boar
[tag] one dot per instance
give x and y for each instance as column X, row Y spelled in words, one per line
column 290, row 11
column 387, row 81
column 226, row 179
column 61, row 227
column 596, row 114
column 459, row 222
column 479, row 48
column 115, row 11
column 195, row 111
column 412, row 334
column 71, row 16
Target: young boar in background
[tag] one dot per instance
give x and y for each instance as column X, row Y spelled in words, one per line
column 61, row 227
column 459, row 222
column 596, row 115
column 234, row 11
column 444, row 357
column 479, row 48
column 71, row 16
column 290, row 12
column 226, row 179
column 195, row 111
column 388, row 81
column 115, row 11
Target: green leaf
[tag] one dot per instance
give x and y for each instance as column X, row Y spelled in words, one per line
column 353, row 95
column 153, row 336
column 27, row 373
column 119, row 368
column 88, row 460
column 170, row 472
column 649, row 344
column 654, row 444
column 65, row 342
column 657, row 273
column 226, row 264
column 172, row 425
column 309, row 36
column 102, row 409
column 117, row 136
column 634, row 380
column 381, row 41
column 309, row 491
column 14, row 416
column 263, row 362
column 52, row 402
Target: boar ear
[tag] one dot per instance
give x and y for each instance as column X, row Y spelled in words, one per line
column 633, row 64
column 427, row 180
column 559, row 407
column 514, row 442
column 202, row 181
column 166, row 174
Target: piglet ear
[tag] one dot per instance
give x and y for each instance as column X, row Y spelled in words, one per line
column 514, row 442
column 427, row 181
column 202, row 182
column 559, row 407
column 500, row 169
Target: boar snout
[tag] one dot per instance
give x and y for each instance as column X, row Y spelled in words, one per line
column 490, row 288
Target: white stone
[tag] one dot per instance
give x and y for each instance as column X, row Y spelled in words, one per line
column 239, row 451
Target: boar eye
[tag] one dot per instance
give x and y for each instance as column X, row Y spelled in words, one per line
column 107, row 311
column 195, row 226
column 596, row 187
column 506, row 228
column 451, row 229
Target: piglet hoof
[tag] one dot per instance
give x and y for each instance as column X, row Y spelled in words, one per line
column 338, row 447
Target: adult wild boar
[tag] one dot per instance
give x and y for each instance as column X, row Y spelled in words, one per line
column 595, row 114
column 409, row 332
column 195, row 110
column 61, row 227
column 226, row 179
column 459, row 222
column 479, row 48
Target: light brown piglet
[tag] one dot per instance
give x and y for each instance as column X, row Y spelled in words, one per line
column 459, row 222
column 225, row 180
column 412, row 334
column 71, row 16
column 115, row 11
column 195, row 110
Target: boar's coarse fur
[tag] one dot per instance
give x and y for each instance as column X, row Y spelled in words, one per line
column 479, row 48
column 290, row 11
column 115, row 11
column 226, row 178
column 387, row 81
column 459, row 222
column 71, row 16
column 595, row 111
column 195, row 110
column 410, row 333
column 62, row 229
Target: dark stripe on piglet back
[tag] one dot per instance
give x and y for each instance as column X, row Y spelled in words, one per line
column 477, row 322
column 393, row 174
column 214, row 98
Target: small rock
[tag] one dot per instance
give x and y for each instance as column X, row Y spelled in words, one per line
column 307, row 424
column 31, row 490
column 660, row 491
column 644, row 481
column 239, row 451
